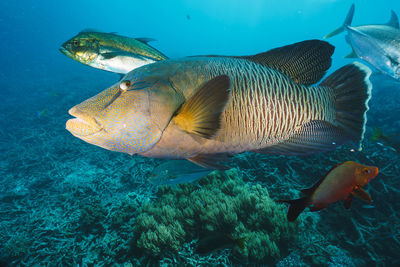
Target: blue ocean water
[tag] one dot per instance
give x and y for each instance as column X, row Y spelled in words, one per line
column 59, row 195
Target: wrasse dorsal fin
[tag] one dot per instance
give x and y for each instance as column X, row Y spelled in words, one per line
column 305, row 62
column 393, row 21
column 200, row 115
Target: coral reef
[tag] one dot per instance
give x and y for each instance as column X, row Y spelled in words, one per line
column 221, row 202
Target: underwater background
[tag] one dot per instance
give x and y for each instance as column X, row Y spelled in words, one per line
column 64, row 202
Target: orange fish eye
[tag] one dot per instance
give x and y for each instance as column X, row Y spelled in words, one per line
column 367, row 171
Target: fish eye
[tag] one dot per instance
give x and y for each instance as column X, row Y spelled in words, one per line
column 76, row 43
column 367, row 171
column 124, row 85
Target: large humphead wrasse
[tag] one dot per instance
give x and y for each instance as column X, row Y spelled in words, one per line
column 200, row 107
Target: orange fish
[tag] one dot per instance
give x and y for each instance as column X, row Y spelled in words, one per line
column 341, row 182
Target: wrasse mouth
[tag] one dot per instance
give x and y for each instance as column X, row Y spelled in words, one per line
column 81, row 125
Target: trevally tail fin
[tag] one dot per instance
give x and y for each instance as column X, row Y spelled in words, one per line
column 352, row 90
column 347, row 22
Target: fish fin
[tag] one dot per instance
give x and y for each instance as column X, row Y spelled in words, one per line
column 110, row 55
column 201, row 114
column 208, row 161
column 347, row 22
column 89, row 30
column 310, row 191
column 296, row 207
column 362, row 194
column 317, row 208
column 313, row 137
column 352, row 54
column 393, row 21
column 145, row 40
column 348, row 201
column 352, row 91
column 305, row 62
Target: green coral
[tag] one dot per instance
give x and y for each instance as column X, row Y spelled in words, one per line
column 220, row 203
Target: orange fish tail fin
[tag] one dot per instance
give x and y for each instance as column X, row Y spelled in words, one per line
column 296, row 207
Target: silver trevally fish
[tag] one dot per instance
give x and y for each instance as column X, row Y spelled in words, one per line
column 110, row 51
column 377, row 44
column 207, row 107
column 175, row 172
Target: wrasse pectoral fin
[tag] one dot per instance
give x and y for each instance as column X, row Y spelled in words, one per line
column 313, row 137
column 209, row 161
column 200, row 115
column 362, row 194
column 305, row 62
column 348, row 201
column 296, row 207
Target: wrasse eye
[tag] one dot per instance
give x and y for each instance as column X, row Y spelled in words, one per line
column 76, row 43
column 124, row 85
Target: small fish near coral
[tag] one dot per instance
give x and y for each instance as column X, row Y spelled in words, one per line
column 378, row 135
column 175, row 172
column 111, row 52
column 344, row 181
column 218, row 241
column 378, row 44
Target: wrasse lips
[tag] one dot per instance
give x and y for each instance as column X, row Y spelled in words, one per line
column 82, row 125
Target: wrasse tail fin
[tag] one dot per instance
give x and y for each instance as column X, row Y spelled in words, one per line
column 347, row 22
column 352, row 90
column 296, row 207
column 305, row 62
column 200, row 115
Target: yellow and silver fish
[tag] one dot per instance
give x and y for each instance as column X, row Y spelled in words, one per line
column 197, row 108
column 111, row 52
